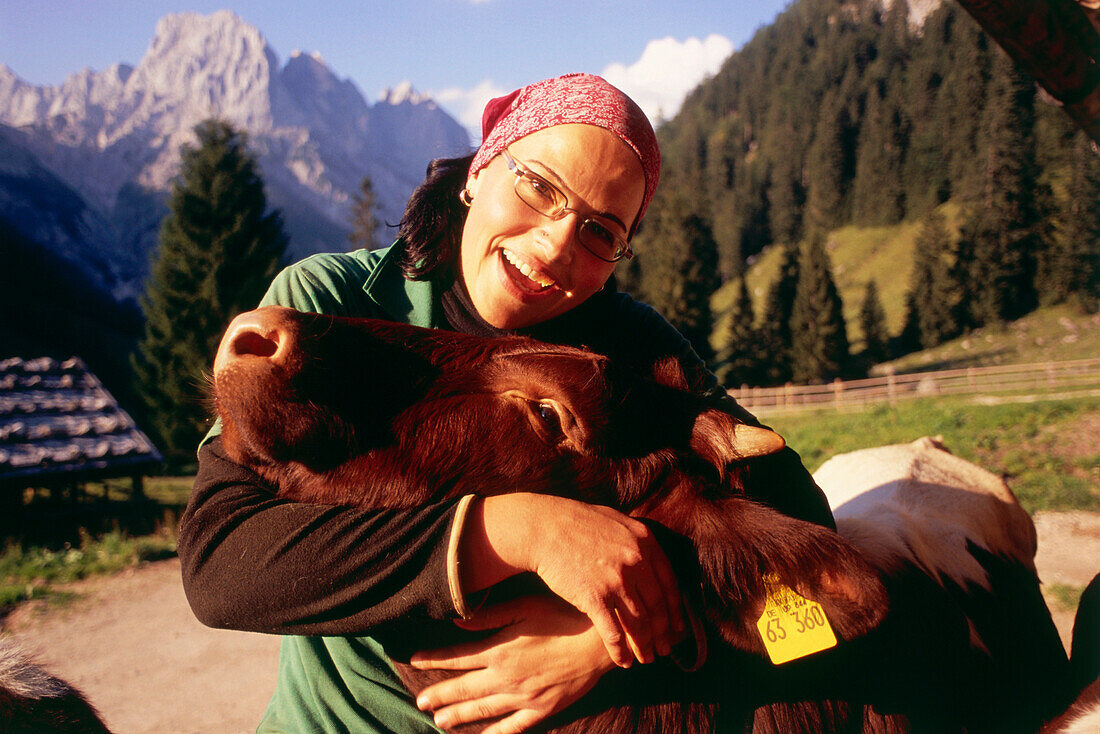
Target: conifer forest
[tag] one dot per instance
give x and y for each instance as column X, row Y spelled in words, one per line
column 843, row 113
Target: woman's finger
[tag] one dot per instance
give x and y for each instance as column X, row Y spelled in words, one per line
column 478, row 709
column 519, row 721
column 462, row 688
column 670, row 588
column 466, row 656
column 638, row 631
column 607, row 625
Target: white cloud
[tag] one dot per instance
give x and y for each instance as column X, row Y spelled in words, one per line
column 667, row 70
column 658, row 81
column 466, row 105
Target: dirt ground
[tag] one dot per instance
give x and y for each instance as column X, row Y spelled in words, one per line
column 131, row 644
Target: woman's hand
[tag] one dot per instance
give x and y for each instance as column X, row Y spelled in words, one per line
column 606, row 564
column 544, row 657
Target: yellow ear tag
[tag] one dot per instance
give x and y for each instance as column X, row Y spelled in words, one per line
column 791, row 626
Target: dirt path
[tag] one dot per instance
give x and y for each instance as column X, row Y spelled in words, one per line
column 131, row 644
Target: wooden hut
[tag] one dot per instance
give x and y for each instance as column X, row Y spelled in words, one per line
column 60, row 428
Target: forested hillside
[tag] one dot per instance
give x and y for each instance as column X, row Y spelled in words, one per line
column 842, row 113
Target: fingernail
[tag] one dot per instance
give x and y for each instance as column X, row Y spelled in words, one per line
column 442, row 720
column 422, row 703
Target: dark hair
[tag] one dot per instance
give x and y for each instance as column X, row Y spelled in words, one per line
column 431, row 227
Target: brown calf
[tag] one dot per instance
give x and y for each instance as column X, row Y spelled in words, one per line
column 369, row 413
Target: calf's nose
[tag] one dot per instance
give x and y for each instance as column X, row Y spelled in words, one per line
column 262, row 334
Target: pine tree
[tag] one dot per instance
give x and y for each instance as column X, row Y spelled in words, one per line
column 218, row 251
column 819, row 337
column 736, row 341
column 934, row 295
column 1004, row 227
column 872, row 321
column 682, row 273
column 364, row 223
column 826, row 168
column 698, row 279
column 775, row 329
column 1069, row 265
column 877, row 195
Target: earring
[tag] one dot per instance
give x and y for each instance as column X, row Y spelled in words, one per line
column 466, row 197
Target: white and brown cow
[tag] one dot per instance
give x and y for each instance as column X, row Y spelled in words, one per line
column 952, row 539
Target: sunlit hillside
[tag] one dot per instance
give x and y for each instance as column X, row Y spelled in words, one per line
column 885, row 255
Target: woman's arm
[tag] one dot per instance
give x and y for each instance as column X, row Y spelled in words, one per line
column 253, row 561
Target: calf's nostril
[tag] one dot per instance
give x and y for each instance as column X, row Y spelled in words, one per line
column 249, row 342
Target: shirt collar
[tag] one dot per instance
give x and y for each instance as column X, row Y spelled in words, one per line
column 413, row 302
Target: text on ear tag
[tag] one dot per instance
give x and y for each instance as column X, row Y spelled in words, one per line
column 792, row 626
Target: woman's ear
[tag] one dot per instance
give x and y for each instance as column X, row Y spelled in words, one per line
column 472, row 183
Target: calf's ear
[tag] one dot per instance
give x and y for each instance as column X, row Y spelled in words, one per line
column 721, row 439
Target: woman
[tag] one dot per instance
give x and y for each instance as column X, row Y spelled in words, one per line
column 523, row 237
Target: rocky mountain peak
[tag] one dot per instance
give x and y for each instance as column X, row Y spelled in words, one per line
column 403, row 93
column 111, row 139
column 201, row 66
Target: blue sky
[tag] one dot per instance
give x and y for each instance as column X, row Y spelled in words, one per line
column 459, row 51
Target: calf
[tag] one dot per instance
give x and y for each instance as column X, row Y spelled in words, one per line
column 33, row 702
column 369, row 413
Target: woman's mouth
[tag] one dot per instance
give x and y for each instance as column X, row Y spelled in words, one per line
column 525, row 275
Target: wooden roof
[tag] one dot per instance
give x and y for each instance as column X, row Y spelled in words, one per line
column 1057, row 42
column 59, row 424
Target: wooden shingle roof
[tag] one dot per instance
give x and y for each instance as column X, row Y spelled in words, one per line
column 58, row 423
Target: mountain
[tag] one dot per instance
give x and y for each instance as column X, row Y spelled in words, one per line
column 85, row 167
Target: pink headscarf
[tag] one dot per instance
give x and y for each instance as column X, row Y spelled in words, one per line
column 573, row 98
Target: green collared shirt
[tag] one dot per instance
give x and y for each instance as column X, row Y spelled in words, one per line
column 348, row 684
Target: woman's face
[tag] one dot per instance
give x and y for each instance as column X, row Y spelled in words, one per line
column 521, row 267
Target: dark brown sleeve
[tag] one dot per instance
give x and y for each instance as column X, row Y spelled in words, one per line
column 252, row 561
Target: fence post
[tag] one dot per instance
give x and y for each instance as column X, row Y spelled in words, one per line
column 838, row 391
column 891, row 384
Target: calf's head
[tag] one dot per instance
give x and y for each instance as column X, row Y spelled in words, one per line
column 374, row 413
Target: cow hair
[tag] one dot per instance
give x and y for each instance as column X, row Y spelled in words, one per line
column 33, row 701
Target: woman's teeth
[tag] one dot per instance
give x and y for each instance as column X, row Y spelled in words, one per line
column 528, row 272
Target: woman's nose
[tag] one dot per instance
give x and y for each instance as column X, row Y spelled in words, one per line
column 558, row 238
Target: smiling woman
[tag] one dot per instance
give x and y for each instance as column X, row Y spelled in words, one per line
column 522, row 267
column 522, row 237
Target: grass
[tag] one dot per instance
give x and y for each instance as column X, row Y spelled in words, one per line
column 34, row 569
column 1063, row 596
column 858, row 255
column 885, row 255
column 1048, row 451
column 1051, row 334
column 34, row 572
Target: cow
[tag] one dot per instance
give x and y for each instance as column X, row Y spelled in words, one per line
column 377, row 414
column 32, row 701
column 951, row 539
column 1083, row 716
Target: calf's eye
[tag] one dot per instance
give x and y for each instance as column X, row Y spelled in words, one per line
column 548, row 416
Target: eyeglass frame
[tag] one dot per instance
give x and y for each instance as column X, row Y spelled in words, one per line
column 522, row 172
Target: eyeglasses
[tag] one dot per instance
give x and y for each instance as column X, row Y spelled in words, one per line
column 597, row 234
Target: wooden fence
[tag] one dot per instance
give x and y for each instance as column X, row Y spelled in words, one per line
column 1074, row 378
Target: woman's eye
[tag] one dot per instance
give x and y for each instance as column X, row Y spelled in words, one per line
column 541, row 188
column 600, row 232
